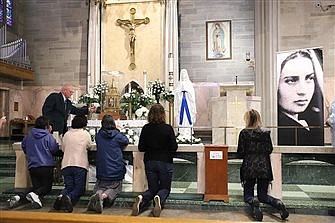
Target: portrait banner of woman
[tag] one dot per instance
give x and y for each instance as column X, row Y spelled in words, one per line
column 300, row 97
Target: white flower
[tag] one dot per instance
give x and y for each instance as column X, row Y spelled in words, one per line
column 182, row 139
column 136, row 138
column 130, row 134
column 142, row 112
column 92, row 132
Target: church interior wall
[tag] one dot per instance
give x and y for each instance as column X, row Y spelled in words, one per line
column 192, row 27
column 312, row 27
column 58, row 50
column 56, row 33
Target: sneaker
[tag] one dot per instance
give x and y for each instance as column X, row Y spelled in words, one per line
column 58, row 203
column 66, row 204
column 90, row 204
column 34, row 199
column 13, row 201
column 98, row 204
column 282, row 210
column 136, row 206
column 158, row 208
column 256, row 210
column 95, row 204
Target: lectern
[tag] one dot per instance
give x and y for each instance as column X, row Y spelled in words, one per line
column 216, row 172
column 228, row 111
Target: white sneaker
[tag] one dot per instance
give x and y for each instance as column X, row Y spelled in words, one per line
column 136, row 206
column 13, row 201
column 34, row 199
column 158, row 208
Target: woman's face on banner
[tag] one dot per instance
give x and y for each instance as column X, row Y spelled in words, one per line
column 296, row 85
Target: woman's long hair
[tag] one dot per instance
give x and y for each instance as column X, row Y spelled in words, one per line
column 156, row 114
column 252, row 119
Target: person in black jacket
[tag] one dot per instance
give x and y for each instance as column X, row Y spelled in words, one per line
column 255, row 147
column 57, row 107
column 158, row 142
column 110, row 169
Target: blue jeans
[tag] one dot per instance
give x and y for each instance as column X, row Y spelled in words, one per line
column 159, row 176
column 262, row 191
column 75, row 182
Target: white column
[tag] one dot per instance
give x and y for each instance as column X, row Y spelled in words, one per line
column 171, row 40
column 93, row 58
column 266, row 46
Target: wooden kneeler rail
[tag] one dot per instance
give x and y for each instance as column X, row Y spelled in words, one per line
column 46, row 217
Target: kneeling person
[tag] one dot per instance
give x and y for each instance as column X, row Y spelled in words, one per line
column 39, row 147
column 110, row 165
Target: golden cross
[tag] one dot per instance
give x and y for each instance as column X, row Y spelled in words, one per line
column 131, row 24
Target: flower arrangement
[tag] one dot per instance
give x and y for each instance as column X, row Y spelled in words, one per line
column 142, row 112
column 136, row 100
column 157, row 88
column 131, row 135
column 100, row 90
column 168, row 96
column 182, row 139
column 88, row 98
column 98, row 95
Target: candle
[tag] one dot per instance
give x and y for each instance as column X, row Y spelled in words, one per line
column 145, row 81
column 170, row 62
column 129, row 88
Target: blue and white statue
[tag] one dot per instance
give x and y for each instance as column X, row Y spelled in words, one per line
column 185, row 106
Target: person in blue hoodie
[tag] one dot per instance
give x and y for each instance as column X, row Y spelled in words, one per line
column 110, row 165
column 39, row 147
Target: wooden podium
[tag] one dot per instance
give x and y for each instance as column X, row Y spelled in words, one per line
column 216, row 172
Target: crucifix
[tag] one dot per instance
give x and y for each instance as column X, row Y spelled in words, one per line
column 131, row 24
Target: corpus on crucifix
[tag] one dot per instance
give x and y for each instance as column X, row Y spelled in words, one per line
column 131, row 24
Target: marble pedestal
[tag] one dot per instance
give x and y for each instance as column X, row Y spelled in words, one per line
column 228, row 111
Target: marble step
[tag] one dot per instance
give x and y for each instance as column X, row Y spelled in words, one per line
column 195, row 202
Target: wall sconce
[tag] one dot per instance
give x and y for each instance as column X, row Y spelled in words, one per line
column 251, row 63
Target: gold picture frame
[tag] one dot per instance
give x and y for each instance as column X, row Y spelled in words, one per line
column 218, row 40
